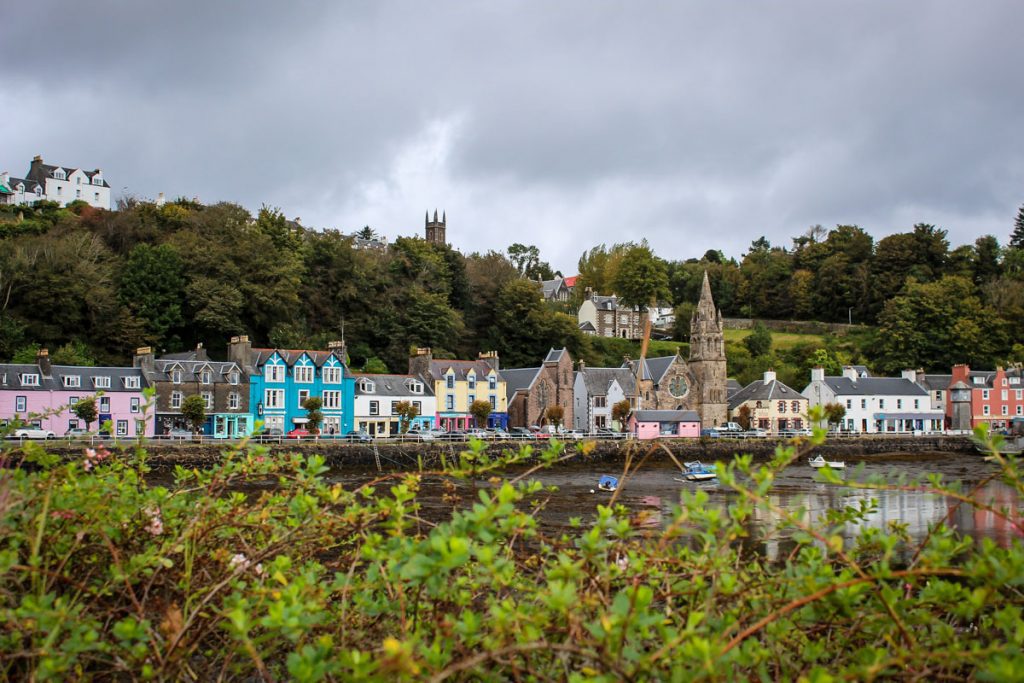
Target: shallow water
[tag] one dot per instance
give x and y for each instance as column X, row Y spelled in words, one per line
column 655, row 489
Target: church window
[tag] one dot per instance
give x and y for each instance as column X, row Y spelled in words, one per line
column 678, row 387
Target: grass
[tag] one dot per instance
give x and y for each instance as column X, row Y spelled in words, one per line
column 780, row 340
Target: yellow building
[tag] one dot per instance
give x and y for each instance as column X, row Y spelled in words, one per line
column 458, row 383
column 774, row 407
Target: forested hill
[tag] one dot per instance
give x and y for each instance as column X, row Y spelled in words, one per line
column 97, row 284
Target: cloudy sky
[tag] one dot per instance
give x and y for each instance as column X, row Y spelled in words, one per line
column 562, row 124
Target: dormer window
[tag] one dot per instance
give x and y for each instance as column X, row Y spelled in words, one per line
column 366, row 386
column 332, row 375
column 29, row 379
column 176, row 376
column 233, row 377
column 978, row 380
column 131, row 383
column 450, row 381
column 274, row 373
column 492, row 382
column 72, row 381
column 206, row 377
column 102, row 382
column 304, row 374
column 1015, row 380
column 471, row 380
column 59, row 174
column 97, row 180
column 415, row 387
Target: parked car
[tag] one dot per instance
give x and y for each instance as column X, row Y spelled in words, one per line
column 299, row 433
column 454, row 435
column 730, row 428
column 710, row 432
column 177, row 434
column 521, row 433
column 418, row 435
column 790, row 433
column 477, row 433
column 269, row 434
column 498, row 434
column 605, row 433
column 357, row 435
column 573, row 435
column 32, row 433
column 755, row 434
column 77, row 433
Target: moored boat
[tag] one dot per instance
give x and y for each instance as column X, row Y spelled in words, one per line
column 607, row 483
column 695, row 471
column 817, row 462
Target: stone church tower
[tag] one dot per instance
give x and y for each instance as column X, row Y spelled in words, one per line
column 707, row 359
column 435, row 229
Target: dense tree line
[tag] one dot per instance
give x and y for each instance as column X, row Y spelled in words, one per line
column 94, row 285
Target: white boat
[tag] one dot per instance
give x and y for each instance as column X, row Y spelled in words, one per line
column 695, row 471
column 818, row 462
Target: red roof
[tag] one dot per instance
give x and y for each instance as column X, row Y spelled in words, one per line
column 570, row 281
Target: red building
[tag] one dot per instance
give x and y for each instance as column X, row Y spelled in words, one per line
column 996, row 397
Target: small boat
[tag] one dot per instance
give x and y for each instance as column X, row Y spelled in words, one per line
column 818, row 462
column 695, row 471
column 608, row 483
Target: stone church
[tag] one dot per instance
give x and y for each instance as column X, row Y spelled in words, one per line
column 699, row 383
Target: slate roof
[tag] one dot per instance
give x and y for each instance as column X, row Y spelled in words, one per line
column 732, row 386
column 988, row 378
column 597, row 380
column 874, row 386
column 935, row 382
column 862, row 370
column 759, row 390
column 654, row 368
column 555, row 355
column 605, row 303
column 190, row 370
column 10, row 378
column 30, row 185
column 438, row 368
column 551, row 287
column 40, row 172
column 518, row 379
column 587, row 326
column 666, row 416
column 392, row 385
column 292, row 356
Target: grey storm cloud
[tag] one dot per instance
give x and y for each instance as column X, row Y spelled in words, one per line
column 693, row 125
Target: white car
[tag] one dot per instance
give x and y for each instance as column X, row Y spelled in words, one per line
column 32, row 433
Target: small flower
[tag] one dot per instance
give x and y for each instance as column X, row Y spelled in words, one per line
column 238, row 560
column 259, row 570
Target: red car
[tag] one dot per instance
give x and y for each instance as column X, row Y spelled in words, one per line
column 299, row 433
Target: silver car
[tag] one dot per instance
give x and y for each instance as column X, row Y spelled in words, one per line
column 32, row 433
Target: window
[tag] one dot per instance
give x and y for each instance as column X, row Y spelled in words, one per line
column 78, row 181
column 104, row 404
column 1004, row 395
column 494, row 402
column 59, row 174
column 849, row 404
column 449, row 402
column 273, row 398
column 1005, row 410
column 72, row 381
column 782, row 406
column 374, row 407
column 600, row 401
column 332, row 375
column 418, row 406
column 899, row 403
column 60, row 190
column 984, row 394
column 938, row 395
column 233, row 400
column 29, row 380
column 471, row 380
column 140, row 427
column 304, row 374
column 274, row 373
column 366, row 386
column 1019, row 394
column 95, row 196
column 205, row 377
column 795, row 406
column 450, row 381
column 134, row 404
column 20, row 404
column 176, row 376
column 394, row 407
column 102, row 382
column 1015, row 380
column 978, row 380
column 131, row 383
column 917, row 403
column 122, row 427
column 470, row 399
column 1020, row 410
column 78, row 195
column 1003, row 383
column 881, row 403
column 332, row 399
column 985, row 410
column 72, row 424
column 207, row 399
column 176, row 400
column 303, row 395
column 233, row 377
column 73, row 400
column 415, row 387
column 492, row 382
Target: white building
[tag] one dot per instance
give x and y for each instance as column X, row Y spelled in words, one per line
column 595, row 391
column 876, row 404
column 61, row 184
column 377, row 396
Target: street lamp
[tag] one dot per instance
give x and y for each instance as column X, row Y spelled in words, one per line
column 849, row 313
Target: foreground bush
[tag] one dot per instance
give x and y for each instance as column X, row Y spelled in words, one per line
column 104, row 576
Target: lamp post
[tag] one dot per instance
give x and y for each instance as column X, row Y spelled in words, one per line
column 849, row 313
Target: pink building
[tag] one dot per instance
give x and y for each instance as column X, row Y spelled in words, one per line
column 664, row 424
column 42, row 394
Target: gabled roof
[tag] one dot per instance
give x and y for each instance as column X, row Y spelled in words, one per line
column 732, row 386
column 519, row 379
column 570, row 281
column 555, row 355
column 874, row 386
column 293, row 356
column 462, row 368
column 666, row 416
column 654, row 369
column 392, row 385
column 39, row 172
column 935, row 382
column 550, row 287
column 10, row 378
column 587, row 326
column 597, row 380
column 759, row 390
column 190, row 370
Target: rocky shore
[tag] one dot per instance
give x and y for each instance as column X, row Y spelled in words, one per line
column 411, row 456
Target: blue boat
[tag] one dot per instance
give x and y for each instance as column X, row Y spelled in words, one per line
column 695, row 471
column 608, row 483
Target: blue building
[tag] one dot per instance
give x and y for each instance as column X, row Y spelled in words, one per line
column 281, row 380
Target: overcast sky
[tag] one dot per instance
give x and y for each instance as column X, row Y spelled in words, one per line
column 562, row 124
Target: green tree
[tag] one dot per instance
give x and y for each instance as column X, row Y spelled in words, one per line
column 73, row 353
column 642, row 277
column 375, row 366
column 407, row 412
column 759, row 341
column 834, row 413
column 193, row 409
column 151, row 283
column 312, row 406
column 987, row 259
column 1017, row 236
column 85, row 410
column 480, row 409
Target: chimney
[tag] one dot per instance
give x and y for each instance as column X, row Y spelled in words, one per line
column 491, row 358
column 588, row 293
column 769, row 376
column 240, row 351
column 582, row 365
column 201, row 352
column 419, row 363
column 43, row 361
column 910, row 374
column 339, row 349
column 851, row 372
column 144, row 359
column 160, row 199
column 5, row 178
column 817, row 374
column 37, row 159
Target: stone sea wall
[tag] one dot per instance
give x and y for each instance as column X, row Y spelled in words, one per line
column 410, row 456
